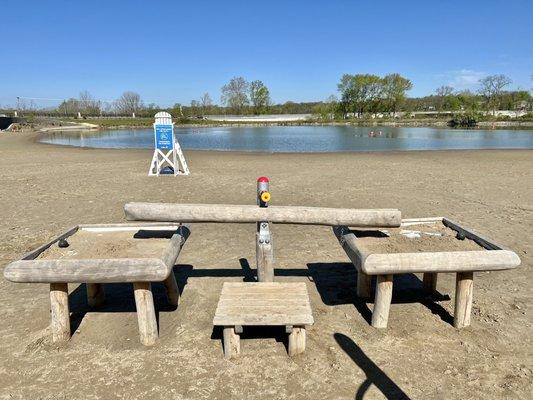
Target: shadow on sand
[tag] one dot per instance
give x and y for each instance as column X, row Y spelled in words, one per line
column 374, row 375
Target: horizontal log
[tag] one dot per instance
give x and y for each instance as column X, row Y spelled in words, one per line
column 348, row 241
column 450, row 261
column 176, row 243
column 249, row 213
column 89, row 271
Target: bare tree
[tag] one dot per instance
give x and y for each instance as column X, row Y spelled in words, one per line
column 129, row 103
column 206, row 103
column 491, row 88
column 88, row 105
column 235, row 94
column 442, row 94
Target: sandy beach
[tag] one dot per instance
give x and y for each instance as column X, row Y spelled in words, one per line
column 45, row 189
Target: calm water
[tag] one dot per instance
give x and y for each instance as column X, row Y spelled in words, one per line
column 305, row 139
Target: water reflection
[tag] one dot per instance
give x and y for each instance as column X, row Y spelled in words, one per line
column 305, row 139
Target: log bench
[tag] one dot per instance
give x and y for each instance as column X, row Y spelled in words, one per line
column 384, row 265
column 263, row 304
column 95, row 272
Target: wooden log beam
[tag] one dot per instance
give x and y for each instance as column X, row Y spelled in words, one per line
column 250, row 213
column 464, row 292
column 95, row 294
column 60, row 312
column 232, row 342
column 144, row 302
column 382, row 302
column 297, row 341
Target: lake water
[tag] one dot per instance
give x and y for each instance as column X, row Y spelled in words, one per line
column 305, row 138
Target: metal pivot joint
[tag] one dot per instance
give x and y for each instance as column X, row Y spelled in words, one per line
column 264, row 249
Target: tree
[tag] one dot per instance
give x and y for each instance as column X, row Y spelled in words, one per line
column 491, row 87
column 88, row 105
column 259, row 96
column 360, row 93
column 235, row 94
column 394, row 88
column 206, row 103
column 443, row 93
column 128, row 103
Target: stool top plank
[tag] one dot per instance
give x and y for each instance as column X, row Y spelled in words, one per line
column 264, row 303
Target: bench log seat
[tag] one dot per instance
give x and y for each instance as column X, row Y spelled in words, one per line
column 263, row 304
column 96, row 272
column 489, row 257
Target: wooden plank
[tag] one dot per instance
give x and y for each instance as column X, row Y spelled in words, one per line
column 451, row 261
column 250, row 213
column 258, row 320
column 89, row 270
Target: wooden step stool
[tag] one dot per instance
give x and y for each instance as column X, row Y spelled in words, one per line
column 263, row 304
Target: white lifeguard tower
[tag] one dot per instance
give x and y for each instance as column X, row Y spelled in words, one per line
column 167, row 152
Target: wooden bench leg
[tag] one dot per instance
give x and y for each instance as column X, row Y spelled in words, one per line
column 430, row 283
column 60, row 312
column 173, row 293
column 464, row 290
column 364, row 285
column 144, row 301
column 382, row 301
column 232, row 342
column 95, row 294
column 297, row 339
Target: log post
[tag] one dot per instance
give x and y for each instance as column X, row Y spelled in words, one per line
column 95, row 294
column 171, row 286
column 382, row 302
column 232, row 342
column 364, row 285
column 144, row 302
column 464, row 290
column 264, row 256
column 60, row 312
column 430, row 283
column 297, row 339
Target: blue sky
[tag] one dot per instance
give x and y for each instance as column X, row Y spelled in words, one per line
column 172, row 51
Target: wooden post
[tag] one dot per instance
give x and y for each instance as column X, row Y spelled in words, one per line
column 364, row 285
column 464, row 289
column 430, row 282
column 144, row 303
column 232, row 342
column 380, row 315
column 297, row 341
column 95, row 294
column 265, row 258
column 60, row 312
column 173, row 293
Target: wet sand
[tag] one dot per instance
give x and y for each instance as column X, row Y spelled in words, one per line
column 45, row 189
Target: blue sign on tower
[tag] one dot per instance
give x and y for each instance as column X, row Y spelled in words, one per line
column 164, row 137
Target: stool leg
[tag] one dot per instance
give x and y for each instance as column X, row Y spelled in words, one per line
column 171, row 286
column 60, row 312
column 364, row 285
column 380, row 315
column 144, row 302
column 297, row 339
column 430, row 283
column 95, row 294
column 232, row 342
column 464, row 290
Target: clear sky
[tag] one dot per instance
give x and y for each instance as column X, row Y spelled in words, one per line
column 174, row 51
